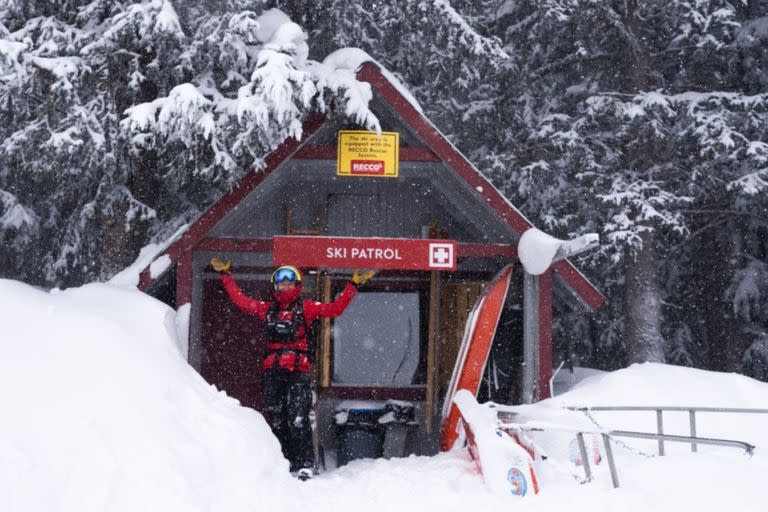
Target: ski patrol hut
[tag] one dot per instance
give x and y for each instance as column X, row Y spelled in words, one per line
column 409, row 204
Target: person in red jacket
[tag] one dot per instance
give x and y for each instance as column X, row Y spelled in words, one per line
column 286, row 384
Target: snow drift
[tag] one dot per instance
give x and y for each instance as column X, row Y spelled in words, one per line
column 101, row 412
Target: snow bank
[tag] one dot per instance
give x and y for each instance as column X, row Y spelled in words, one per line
column 653, row 384
column 713, row 479
column 657, row 385
column 101, row 412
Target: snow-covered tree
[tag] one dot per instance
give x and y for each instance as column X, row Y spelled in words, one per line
column 126, row 119
column 625, row 118
column 644, row 121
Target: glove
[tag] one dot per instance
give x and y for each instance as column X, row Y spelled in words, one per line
column 360, row 279
column 220, row 266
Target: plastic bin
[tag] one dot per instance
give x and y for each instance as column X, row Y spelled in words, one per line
column 400, row 427
column 358, row 434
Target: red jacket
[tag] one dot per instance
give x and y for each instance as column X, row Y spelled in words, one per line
column 312, row 311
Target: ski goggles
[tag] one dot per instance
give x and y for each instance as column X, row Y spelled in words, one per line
column 286, row 274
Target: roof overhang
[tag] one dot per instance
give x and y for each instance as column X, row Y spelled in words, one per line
column 438, row 144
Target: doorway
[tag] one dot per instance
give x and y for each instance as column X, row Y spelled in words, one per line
column 233, row 342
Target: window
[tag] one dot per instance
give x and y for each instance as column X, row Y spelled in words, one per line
column 378, row 341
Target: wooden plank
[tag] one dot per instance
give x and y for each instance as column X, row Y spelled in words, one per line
column 257, row 245
column 325, row 334
column 434, row 313
column 456, row 301
column 412, row 394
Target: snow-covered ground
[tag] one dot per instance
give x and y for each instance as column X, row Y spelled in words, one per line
column 100, row 412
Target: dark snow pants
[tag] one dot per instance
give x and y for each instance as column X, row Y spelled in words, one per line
column 288, row 401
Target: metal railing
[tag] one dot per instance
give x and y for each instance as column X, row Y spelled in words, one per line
column 607, row 435
column 660, row 418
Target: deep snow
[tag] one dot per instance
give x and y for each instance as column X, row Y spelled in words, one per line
column 102, row 413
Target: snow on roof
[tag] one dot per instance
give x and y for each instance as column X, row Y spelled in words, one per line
column 352, row 58
column 149, row 257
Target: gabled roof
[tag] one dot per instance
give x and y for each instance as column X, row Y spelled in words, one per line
column 437, row 143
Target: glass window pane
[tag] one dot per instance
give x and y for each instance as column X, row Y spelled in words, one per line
column 376, row 340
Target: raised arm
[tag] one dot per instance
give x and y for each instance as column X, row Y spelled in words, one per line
column 247, row 304
column 333, row 309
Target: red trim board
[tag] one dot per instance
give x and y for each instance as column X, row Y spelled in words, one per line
column 545, row 334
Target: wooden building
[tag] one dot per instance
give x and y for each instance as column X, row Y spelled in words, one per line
column 399, row 338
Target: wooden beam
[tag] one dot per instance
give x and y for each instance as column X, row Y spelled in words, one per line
column 260, row 245
column 264, row 245
column 184, row 279
column 583, row 288
column 373, row 393
column 470, row 250
column 325, row 334
column 434, row 311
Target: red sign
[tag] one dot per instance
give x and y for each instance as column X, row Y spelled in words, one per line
column 366, row 167
column 378, row 253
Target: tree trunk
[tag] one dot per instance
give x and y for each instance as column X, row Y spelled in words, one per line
column 642, row 293
column 726, row 346
column 121, row 243
column 642, row 304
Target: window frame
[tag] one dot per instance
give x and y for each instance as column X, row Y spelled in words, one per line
column 391, row 282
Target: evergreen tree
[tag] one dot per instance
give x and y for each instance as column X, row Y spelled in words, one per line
column 643, row 121
column 124, row 120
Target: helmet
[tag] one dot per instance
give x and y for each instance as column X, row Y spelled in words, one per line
column 286, row 273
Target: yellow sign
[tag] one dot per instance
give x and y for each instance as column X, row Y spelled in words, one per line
column 365, row 154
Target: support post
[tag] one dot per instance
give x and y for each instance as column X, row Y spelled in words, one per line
column 611, row 461
column 537, row 336
column 692, row 420
column 434, row 311
column 325, row 333
column 584, row 456
column 530, row 338
column 545, row 336
column 660, row 429
column 184, row 279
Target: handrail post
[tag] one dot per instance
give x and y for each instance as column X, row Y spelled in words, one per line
column 660, row 429
column 584, row 457
column 611, row 463
column 692, row 420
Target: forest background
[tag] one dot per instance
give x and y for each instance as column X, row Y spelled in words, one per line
column 643, row 121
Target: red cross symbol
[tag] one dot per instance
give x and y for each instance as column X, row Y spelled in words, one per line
column 441, row 255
